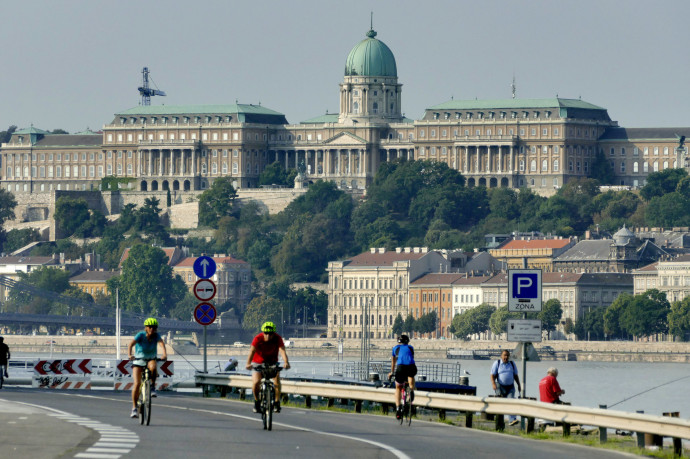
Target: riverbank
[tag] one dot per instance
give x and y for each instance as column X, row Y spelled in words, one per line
column 596, row 351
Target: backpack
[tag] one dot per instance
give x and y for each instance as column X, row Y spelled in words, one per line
column 499, row 363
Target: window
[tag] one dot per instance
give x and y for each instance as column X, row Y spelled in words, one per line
column 533, row 165
column 544, row 131
column 355, row 107
column 555, row 165
column 656, row 151
column 666, row 151
column 612, row 151
column 533, row 132
column 544, row 165
column 635, row 167
column 522, row 165
column 623, row 151
column 656, row 166
column 622, row 166
column 645, row 166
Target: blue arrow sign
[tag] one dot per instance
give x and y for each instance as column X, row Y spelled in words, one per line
column 204, row 267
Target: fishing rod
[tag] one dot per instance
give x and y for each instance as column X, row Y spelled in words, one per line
column 650, row 389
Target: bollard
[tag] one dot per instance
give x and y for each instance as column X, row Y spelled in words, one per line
column 243, row 394
column 640, row 435
column 442, row 415
column 358, row 406
column 529, row 425
column 385, row 407
column 602, row 430
column 566, row 429
column 677, row 442
column 330, row 402
column 307, row 401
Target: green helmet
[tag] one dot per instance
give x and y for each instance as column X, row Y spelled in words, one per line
column 268, row 327
column 150, row 322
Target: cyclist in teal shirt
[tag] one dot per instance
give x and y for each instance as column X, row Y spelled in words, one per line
column 145, row 346
column 404, row 368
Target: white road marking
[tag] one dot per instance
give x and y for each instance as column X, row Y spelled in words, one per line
column 105, row 431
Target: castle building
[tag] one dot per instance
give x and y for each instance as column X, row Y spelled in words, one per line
column 535, row 143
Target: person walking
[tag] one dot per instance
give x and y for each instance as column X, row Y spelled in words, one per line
column 504, row 377
column 549, row 389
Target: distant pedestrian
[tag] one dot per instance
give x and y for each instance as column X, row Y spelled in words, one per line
column 504, row 376
column 549, row 389
column 4, row 357
column 231, row 364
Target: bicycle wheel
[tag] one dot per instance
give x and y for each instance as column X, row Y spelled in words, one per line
column 2, row 375
column 403, row 404
column 148, row 401
column 408, row 406
column 262, row 404
column 142, row 402
column 271, row 401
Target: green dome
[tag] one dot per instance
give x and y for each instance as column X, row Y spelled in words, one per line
column 371, row 57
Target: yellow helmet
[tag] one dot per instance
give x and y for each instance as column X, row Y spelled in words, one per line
column 150, row 322
column 268, row 327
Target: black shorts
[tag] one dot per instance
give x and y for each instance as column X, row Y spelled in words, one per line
column 402, row 372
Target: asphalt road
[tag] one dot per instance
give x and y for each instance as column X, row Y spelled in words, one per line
column 47, row 424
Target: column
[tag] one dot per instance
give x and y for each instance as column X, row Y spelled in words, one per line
column 500, row 158
column 193, row 161
column 488, row 158
column 182, row 164
column 138, row 170
column 286, row 160
column 150, row 164
column 349, row 162
column 172, row 162
column 160, row 163
column 512, row 159
column 464, row 166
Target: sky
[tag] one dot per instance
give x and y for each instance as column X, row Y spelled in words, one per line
column 73, row 64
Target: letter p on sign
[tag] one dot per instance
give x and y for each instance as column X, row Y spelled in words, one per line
column 525, row 286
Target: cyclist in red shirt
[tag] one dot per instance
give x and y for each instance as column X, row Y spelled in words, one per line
column 265, row 348
column 549, row 389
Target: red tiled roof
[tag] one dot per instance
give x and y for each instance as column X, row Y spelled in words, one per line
column 536, row 244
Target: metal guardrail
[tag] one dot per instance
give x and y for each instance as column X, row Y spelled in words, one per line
column 439, row 372
column 574, row 415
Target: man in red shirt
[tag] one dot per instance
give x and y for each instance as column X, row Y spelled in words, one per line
column 265, row 348
column 549, row 389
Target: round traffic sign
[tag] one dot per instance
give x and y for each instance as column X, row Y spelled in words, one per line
column 204, row 289
column 205, row 313
column 204, row 267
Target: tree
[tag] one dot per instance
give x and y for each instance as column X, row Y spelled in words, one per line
column 18, row 238
column 662, row 182
column 147, row 284
column 550, row 315
column 602, row 169
column 70, row 214
column 275, row 174
column 591, row 325
column 472, row 321
column 679, row 319
column 646, row 314
column 216, row 202
column 612, row 316
column 398, row 325
column 426, row 323
column 260, row 310
column 569, row 326
column 409, row 325
column 499, row 320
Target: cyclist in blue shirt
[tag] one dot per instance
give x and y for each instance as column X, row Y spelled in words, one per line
column 145, row 346
column 404, row 368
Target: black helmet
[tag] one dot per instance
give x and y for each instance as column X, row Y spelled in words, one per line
column 403, row 339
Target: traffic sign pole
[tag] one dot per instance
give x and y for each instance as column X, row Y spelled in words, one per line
column 205, row 355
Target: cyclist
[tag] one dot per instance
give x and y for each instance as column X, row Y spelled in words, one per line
column 265, row 348
column 144, row 345
column 404, row 368
column 4, row 357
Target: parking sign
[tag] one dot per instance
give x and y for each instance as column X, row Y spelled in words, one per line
column 524, row 290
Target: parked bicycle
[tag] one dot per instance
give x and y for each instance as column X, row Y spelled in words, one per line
column 144, row 402
column 267, row 392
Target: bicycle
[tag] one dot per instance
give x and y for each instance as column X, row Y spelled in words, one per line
column 3, row 370
column 406, row 404
column 267, row 392
column 144, row 402
column 405, row 401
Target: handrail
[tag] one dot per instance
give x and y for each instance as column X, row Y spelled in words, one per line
column 659, row 425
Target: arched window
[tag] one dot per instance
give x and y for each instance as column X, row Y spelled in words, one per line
column 645, row 166
column 555, row 165
column 375, row 107
column 355, row 107
column 656, row 166
column 545, row 165
column 214, row 168
column 636, row 167
column 533, row 165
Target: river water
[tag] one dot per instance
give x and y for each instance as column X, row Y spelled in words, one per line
column 654, row 388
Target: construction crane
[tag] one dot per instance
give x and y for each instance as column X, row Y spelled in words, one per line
column 145, row 91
